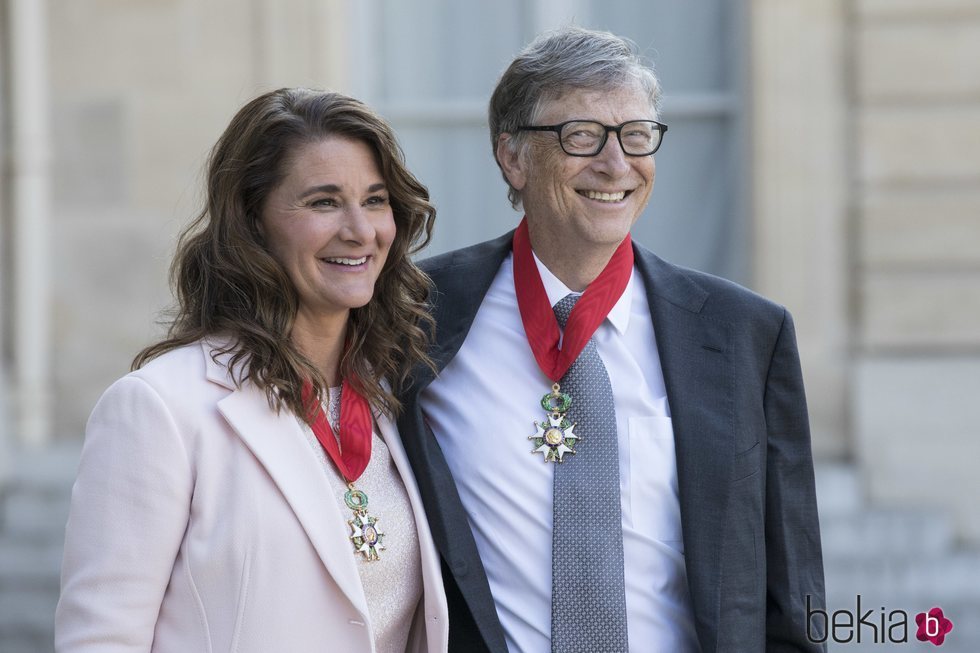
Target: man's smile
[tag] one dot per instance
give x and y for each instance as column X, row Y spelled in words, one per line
column 616, row 196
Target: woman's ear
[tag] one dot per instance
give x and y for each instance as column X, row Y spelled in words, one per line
column 511, row 161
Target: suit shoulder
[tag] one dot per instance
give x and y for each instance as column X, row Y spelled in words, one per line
column 176, row 365
column 179, row 377
column 477, row 255
column 718, row 297
column 725, row 292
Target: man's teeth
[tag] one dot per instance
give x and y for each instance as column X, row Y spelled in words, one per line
column 605, row 197
column 346, row 261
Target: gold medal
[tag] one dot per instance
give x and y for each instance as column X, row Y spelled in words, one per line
column 555, row 436
column 366, row 536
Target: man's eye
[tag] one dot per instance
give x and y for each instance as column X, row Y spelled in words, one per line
column 324, row 202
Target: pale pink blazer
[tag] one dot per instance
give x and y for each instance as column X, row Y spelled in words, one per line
column 201, row 521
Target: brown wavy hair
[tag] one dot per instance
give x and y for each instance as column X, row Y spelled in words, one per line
column 227, row 284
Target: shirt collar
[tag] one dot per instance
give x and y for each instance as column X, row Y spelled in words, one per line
column 619, row 314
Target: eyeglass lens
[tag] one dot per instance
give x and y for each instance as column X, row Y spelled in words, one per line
column 585, row 137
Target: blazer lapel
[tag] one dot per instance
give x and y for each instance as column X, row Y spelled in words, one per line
column 696, row 357
column 437, row 635
column 278, row 443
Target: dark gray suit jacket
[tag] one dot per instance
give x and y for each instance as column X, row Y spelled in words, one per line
column 744, row 468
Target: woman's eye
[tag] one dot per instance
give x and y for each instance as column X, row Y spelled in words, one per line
column 377, row 200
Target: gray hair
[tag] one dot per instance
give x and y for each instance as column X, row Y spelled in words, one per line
column 551, row 65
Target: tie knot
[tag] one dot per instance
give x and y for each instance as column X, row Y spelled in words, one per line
column 564, row 308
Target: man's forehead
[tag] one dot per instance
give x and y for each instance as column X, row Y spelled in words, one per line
column 588, row 102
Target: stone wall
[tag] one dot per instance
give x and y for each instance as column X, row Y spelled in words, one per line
column 916, row 252
column 866, row 194
column 140, row 91
column 799, row 158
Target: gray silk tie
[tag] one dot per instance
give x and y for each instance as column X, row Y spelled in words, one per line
column 588, row 596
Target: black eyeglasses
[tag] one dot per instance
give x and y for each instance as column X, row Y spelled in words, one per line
column 588, row 137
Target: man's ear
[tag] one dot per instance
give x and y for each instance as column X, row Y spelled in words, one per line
column 511, row 162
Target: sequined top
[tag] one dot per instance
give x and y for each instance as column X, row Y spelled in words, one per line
column 393, row 584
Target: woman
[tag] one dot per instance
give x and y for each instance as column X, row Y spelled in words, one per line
column 244, row 488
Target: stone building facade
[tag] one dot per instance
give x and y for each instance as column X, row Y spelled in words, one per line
column 862, row 192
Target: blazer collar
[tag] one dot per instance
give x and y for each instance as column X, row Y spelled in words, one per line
column 277, row 441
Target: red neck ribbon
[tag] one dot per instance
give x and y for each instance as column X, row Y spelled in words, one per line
column 355, row 430
column 540, row 323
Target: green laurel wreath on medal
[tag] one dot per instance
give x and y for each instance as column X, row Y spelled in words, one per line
column 367, row 537
column 556, row 436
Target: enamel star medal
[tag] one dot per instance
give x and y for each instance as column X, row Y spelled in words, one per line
column 366, row 536
column 349, row 447
column 555, row 436
column 555, row 351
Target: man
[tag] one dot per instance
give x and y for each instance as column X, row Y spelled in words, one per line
column 630, row 470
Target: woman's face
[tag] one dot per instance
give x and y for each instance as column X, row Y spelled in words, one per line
column 330, row 224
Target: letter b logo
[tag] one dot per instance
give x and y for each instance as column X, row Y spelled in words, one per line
column 933, row 626
column 822, row 623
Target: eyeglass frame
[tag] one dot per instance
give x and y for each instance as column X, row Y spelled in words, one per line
column 661, row 127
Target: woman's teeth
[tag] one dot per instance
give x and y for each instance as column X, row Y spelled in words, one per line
column 346, row 261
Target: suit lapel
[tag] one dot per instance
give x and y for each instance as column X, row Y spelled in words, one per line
column 465, row 278
column 454, row 318
column 278, row 443
column 696, row 357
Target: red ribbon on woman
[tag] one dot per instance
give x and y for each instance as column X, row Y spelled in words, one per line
column 353, row 453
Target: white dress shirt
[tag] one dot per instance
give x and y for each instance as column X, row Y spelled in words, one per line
column 481, row 409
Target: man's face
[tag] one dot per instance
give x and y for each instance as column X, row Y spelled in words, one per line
column 579, row 206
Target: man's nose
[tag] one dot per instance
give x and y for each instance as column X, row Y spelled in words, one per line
column 611, row 159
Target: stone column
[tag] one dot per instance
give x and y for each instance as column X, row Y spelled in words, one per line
column 800, row 182
column 30, row 200
column 6, row 433
column 302, row 43
column 917, row 213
